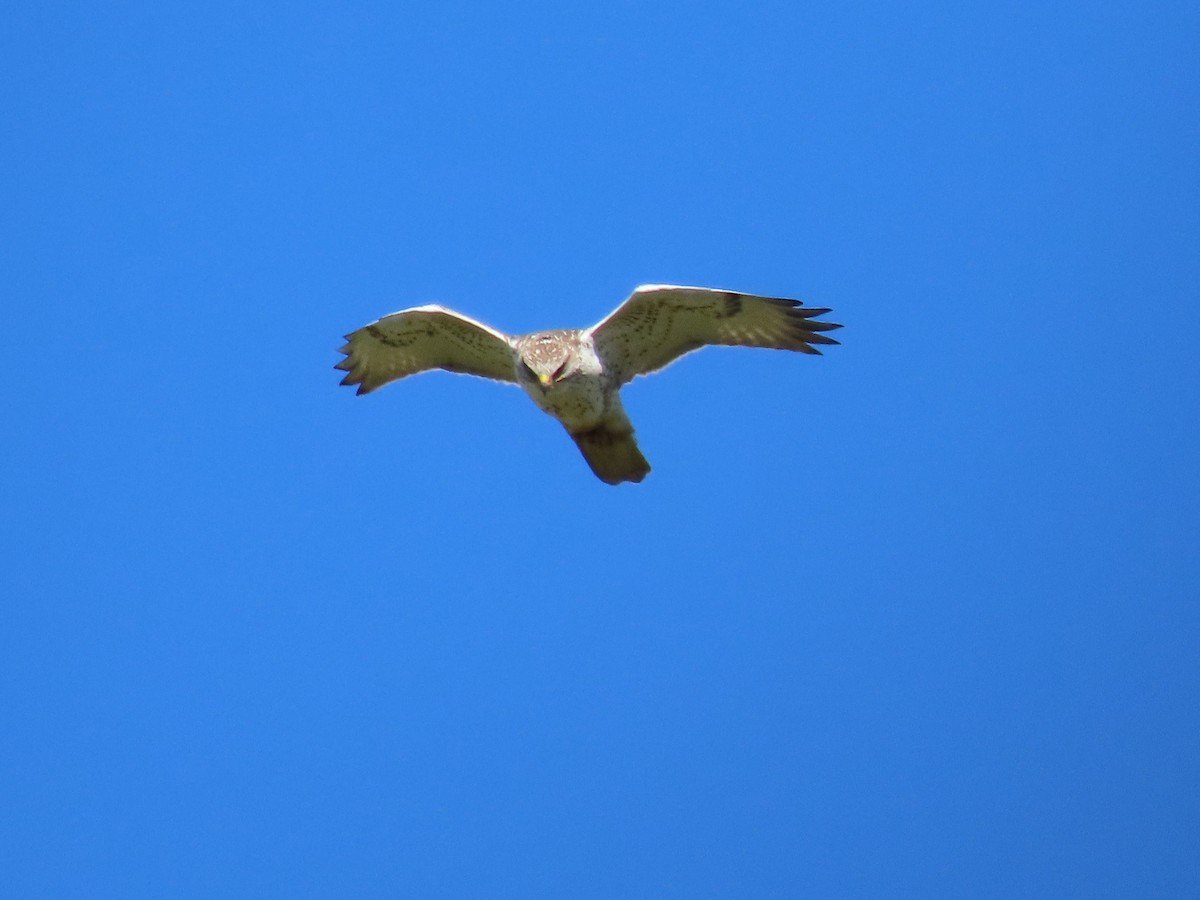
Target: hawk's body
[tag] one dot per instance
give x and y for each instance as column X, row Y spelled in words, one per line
column 575, row 375
column 579, row 402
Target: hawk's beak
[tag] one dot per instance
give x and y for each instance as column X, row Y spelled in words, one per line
column 544, row 379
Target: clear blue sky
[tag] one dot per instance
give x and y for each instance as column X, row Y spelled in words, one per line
column 917, row 618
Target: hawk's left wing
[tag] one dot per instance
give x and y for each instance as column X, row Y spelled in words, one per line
column 425, row 337
column 661, row 322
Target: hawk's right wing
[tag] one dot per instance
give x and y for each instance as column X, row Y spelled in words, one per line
column 421, row 338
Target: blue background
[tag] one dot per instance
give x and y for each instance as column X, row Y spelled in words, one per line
column 916, row 618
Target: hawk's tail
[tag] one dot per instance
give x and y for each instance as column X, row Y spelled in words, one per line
column 612, row 452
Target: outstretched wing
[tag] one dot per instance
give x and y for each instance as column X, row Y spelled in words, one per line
column 661, row 322
column 425, row 337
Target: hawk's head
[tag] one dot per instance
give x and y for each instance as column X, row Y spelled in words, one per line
column 547, row 357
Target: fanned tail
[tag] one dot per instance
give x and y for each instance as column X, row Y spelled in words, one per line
column 612, row 452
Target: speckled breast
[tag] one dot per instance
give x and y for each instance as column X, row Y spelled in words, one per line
column 576, row 402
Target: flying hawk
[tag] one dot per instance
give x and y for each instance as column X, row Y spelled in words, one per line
column 576, row 375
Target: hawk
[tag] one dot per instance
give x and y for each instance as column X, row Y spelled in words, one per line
column 576, row 375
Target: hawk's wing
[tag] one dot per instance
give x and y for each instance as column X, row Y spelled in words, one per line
column 425, row 337
column 661, row 322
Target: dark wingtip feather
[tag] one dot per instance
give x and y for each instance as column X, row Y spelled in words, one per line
column 807, row 314
column 808, row 330
column 820, row 339
column 783, row 301
column 350, row 379
column 821, row 326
